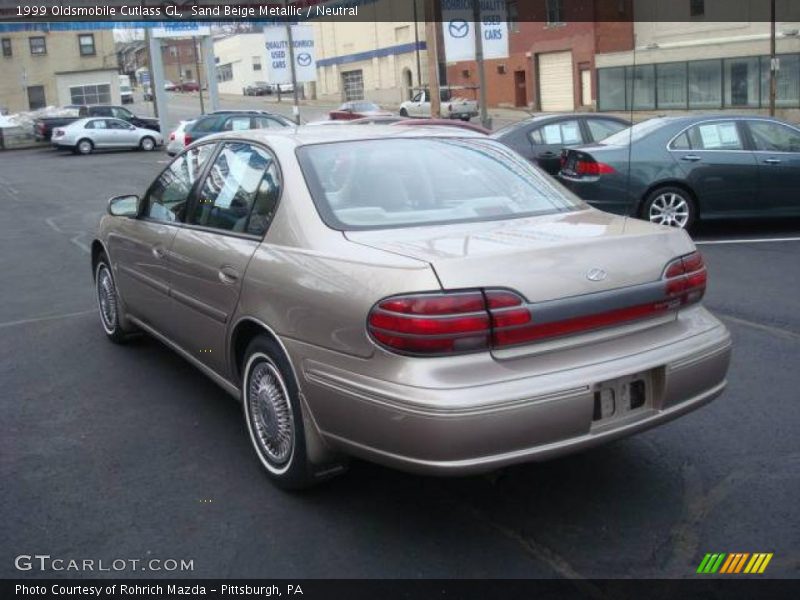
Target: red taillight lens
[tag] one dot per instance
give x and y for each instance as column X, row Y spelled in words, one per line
column 686, row 278
column 172, row 137
column 590, row 167
column 187, row 139
column 429, row 324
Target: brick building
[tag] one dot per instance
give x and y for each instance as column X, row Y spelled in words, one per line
column 552, row 48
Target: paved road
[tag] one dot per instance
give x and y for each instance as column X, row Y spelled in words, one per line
column 128, row 452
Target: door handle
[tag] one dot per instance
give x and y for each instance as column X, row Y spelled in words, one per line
column 690, row 158
column 773, row 161
column 228, row 275
column 158, row 252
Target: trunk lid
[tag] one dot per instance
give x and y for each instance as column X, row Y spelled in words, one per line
column 543, row 258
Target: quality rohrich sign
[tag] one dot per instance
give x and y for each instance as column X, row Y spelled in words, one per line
column 459, row 29
column 278, row 57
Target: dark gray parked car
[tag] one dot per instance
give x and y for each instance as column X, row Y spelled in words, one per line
column 240, row 120
column 675, row 170
column 542, row 138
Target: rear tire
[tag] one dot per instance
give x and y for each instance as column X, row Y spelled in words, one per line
column 147, row 144
column 671, row 206
column 273, row 414
column 84, row 147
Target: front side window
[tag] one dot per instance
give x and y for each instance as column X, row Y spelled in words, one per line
column 168, row 196
column 121, row 113
column 38, row 45
column 117, row 124
column 241, row 191
column 718, row 135
column 376, row 184
column 267, row 123
column 86, row 44
column 774, row 137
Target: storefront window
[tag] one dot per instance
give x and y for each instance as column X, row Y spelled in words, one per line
column 741, row 82
column 705, row 84
column 641, row 87
column 788, row 81
column 671, row 85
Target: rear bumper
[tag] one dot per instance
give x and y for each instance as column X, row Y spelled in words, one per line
column 460, row 431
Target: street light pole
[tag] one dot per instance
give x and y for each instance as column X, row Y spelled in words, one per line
column 296, row 107
column 433, row 58
column 199, row 79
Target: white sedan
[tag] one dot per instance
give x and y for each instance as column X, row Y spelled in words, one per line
column 85, row 135
column 177, row 139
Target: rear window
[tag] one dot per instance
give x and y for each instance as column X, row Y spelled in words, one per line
column 388, row 183
column 206, row 125
column 635, row 133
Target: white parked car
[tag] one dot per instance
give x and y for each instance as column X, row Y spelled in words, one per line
column 85, row 135
column 177, row 139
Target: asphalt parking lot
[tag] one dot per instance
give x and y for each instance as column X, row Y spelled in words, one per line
column 128, row 452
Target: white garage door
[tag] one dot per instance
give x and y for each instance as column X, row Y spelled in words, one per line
column 555, row 81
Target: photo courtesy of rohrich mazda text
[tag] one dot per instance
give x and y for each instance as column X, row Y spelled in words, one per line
column 299, row 304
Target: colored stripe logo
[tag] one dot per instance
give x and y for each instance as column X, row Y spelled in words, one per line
column 734, row 563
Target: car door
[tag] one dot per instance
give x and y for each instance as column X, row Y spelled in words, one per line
column 139, row 248
column 550, row 138
column 417, row 103
column 718, row 166
column 122, row 136
column 227, row 220
column 777, row 150
column 100, row 133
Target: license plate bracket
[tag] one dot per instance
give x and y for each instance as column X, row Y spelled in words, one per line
column 622, row 397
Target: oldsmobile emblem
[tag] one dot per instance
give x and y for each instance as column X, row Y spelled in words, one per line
column 596, row 275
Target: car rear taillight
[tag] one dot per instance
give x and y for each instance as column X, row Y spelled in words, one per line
column 172, row 137
column 430, row 324
column 187, row 139
column 476, row 320
column 686, row 278
column 590, row 167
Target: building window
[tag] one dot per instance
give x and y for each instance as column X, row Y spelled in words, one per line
column 705, row 84
column 225, row 72
column 641, row 88
column 256, row 63
column 38, row 45
column 7, row 47
column 512, row 15
column 555, row 10
column 90, row 94
column 671, row 85
column 697, row 8
column 86, row 44
column 787, row 80
column 173, row 51
column 36, row 98
column 353, row 85
column 741, row 82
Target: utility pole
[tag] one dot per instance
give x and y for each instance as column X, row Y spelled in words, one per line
column 433, row 58
column 416, row 46
column 476, row 16
column 773, row 63
column 150, row 70
column 199, row 79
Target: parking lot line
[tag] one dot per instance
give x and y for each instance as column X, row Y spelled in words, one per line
column 48, row 318
column 747, row 241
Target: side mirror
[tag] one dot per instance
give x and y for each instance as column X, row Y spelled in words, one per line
column 124, row 206
column 131, row 127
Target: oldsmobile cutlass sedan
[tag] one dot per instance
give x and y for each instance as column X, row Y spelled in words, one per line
column 422, row 298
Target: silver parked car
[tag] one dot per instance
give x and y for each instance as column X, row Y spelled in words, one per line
column 85, row 135
column 423, row 298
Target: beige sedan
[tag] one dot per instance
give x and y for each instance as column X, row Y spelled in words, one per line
column 422, row 298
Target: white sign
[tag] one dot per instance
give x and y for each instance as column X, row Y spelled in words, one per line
column 180, row 29
column 277, row 44
column 459, row 29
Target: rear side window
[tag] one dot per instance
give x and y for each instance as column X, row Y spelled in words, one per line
column 603, row 128
column 237, row 124
column 240, row 193
column 717, row 135
column 169, row 195
column 267, row 123
column 206, row 125
column 566, row 133
column 97, row 124
column 374, row 184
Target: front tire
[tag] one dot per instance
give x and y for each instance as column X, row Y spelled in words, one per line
column 273, row 415
column 147, row 144
column 403, row 112
column 671, row 206
column 108, row 301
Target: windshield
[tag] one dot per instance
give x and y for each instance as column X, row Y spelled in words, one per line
column 374, row 184
column 635, row 133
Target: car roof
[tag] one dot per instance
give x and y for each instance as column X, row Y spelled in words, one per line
column 305, row 135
